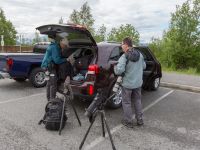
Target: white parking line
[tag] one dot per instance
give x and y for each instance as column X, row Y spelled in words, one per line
column 115, row 129
column 21, row 98
column 190, row 92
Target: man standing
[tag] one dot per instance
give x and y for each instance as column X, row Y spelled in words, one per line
column 54, row 59
column 131, row 64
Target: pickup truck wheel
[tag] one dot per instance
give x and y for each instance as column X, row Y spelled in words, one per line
column 20, row 79
column 37, row 77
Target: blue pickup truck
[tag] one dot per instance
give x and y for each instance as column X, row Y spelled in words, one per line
column 22, row 66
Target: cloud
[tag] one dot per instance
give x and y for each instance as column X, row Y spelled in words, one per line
column 150, row 18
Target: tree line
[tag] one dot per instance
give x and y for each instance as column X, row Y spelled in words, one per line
column 84, row 17
column 179, row 47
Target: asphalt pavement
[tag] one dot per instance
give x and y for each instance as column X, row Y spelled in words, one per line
column 171, row 122
column 181, row 81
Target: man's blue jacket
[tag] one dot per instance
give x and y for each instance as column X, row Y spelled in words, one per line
column 53, row 53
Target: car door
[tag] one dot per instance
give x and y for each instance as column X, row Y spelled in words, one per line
column 150, row 65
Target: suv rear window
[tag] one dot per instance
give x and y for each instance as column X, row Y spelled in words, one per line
column 116, row 53
column 78, row 37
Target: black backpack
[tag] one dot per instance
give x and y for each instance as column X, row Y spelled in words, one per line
column 53, row 115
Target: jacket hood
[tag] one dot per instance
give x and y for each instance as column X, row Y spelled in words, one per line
column 133, row 55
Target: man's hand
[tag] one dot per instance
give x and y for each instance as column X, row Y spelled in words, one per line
column 67, row 81
column 71, row 59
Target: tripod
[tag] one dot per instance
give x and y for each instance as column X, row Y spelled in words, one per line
column 68, row 97
column 100, row 110
column 52, row 79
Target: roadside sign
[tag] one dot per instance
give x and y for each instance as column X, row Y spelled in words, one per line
column 2, row 41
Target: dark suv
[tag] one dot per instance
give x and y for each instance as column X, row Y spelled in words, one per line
column 92, row 67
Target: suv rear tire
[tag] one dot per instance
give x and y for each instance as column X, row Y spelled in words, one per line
column 155, row 84
column 37, row 77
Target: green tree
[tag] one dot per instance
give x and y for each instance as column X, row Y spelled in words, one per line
column 184, row 34
column 83, row 17
column 118, row 34
column 180, row 45
column 75, row 17
column 100, row 34
column 7, row 29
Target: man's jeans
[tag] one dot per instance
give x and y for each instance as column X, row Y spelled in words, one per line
column 127, row 95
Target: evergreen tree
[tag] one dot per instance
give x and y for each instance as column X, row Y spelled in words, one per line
column 83, row 17
column 101, row 34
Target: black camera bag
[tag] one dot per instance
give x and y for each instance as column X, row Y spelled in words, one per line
column 53, row 115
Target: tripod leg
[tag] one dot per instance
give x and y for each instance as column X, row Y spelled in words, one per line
column 62, row 117
column 102, row 122
column 70, row 95
column 83, row 141
column 75, row 112
column 108, row 129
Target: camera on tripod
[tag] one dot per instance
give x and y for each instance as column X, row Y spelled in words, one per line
column 100, row 100
column 97, row 107
column 97, row 104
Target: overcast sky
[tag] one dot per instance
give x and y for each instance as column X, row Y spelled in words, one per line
column 150, row 18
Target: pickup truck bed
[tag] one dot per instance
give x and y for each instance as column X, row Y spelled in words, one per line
column 22, row 66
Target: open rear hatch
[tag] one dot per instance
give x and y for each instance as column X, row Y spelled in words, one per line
column 82, row 46
column 76, row 34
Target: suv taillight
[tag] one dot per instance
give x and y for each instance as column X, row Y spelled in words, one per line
column 93, row 68
column 90, row 89
column 9, row 63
